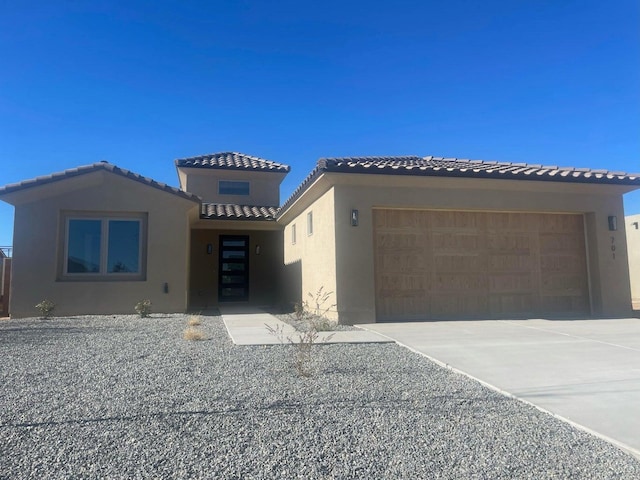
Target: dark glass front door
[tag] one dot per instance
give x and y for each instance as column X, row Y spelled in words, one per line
column 233, row 274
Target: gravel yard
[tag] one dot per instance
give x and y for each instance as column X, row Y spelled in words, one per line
column 124, row 397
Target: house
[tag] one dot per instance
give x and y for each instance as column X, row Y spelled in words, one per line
column 388, row 238
column 5, row 278
column 633, row 242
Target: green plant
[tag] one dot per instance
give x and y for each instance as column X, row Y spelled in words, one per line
column 143, row 308
column 46, row 307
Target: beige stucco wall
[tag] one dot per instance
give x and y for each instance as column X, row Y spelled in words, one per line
column 265, row 269
column 38, row 246
column 354, row 266
column 632, row 224
column 316, row 252
column 264, row 187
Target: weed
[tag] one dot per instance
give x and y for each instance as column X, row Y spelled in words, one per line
column 318, row 302
column 46, row 307
column 322, row 324
column 192, row 333
column 194, row 321
column 143, row 308
column 303, row 356
column 277, row 331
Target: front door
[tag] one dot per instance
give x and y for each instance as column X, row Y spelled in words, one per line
column 233, row 274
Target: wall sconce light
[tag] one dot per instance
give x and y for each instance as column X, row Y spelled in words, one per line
column 613, row 223
column 165, row 287
column 354, row 218
column 257, row 249
column 209, row 248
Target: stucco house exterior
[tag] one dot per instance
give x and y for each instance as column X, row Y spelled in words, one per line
column 633, row 241
column 390, row 238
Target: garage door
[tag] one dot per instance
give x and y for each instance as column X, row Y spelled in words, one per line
column 443, row 264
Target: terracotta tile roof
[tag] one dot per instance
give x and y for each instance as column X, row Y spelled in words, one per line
column 226, row 211
column 232, row 161
column 455, row 167
column 74, row 172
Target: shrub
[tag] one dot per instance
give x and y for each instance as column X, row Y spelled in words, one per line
column 323, row 324
column 303, row 344
column 194, row 321
column 46, row 307
column 143, row 308
column 192, row 333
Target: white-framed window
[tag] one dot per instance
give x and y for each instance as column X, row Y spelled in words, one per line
column 310, row 223
column 108, row 246
column 233, row 187
column 293, row 234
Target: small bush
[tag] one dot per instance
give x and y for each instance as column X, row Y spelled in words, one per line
column 143, row 308
column 192, row 333
column 46, row 308
column 323, row 324
column 194, row 321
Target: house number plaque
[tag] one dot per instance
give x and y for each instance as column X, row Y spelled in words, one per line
column 613, row 247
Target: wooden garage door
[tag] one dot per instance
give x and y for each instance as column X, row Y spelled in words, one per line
column 442, row 264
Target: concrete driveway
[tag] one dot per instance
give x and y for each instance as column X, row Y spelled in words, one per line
column 585, row 371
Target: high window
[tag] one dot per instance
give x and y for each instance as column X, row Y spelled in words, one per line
column 228, row 187
column 293, row 233
column 310, row 223
column 103, row 246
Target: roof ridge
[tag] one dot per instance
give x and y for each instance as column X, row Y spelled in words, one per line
column 231, row 161
column 460, row 168
column 92, row 167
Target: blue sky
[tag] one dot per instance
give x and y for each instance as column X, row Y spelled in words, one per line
column 142, row 83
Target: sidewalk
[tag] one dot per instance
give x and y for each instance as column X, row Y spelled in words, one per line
column 248, row 327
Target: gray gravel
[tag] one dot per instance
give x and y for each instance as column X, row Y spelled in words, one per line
column 123, row 397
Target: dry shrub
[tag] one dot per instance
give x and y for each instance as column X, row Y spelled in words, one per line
column 192, row 333
column 194, row 321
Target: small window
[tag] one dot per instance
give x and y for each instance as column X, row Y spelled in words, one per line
column 103, row 247
column 293, row 233
column 310, row 223
column 227, row 187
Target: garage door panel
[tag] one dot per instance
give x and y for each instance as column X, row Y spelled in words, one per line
column 454, row 282
column 517, row 243
column 478, row 264
column 455, row 304
column 511, row 283
column 513, row 303
column 511, row 262
column 463, row 262
column 402, row 262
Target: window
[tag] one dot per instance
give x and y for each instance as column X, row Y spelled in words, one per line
column 109, row 246
column 310, row 223
column 293, row 233
column 227, row 187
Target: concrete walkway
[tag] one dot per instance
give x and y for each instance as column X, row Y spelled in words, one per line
column 584, row 371
column 248, row 327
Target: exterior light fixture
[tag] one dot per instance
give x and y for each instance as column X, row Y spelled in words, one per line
column 165, row 287
column 613, row 223
column 354, row 218
column 257, row 249
column 209, row 248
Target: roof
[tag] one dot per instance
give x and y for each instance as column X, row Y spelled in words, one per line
column 456, row 167
column 227, row 211
column 232, row 161
column 74, row 172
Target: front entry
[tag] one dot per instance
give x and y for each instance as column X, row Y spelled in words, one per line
column 233, row 273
